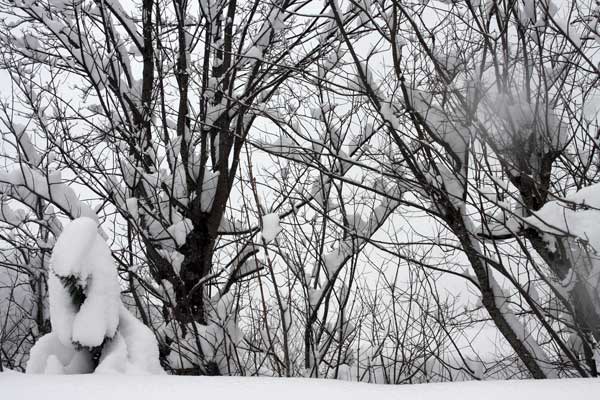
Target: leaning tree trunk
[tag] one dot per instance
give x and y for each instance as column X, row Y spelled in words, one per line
column 489, row 297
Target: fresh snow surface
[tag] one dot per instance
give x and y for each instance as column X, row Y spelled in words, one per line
column 103, row 387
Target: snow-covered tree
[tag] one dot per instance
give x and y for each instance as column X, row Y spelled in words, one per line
column 92, row 331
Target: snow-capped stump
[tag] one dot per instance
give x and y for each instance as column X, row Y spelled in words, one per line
column 91, row 329
column 270, row 227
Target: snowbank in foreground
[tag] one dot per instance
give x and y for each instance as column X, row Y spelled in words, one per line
column 16, row 386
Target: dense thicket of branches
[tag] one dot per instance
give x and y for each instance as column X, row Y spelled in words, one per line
column 387, row 191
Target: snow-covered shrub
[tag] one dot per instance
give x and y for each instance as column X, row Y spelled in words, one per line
column 92, row 331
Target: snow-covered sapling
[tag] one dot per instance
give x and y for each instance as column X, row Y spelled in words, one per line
column 92, row 331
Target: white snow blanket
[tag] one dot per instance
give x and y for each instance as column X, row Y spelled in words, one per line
column 115, row 387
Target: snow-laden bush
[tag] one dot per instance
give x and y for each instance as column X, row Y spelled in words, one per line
column 92, row 331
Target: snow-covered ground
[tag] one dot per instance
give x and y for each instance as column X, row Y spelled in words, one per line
column 15, row 386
